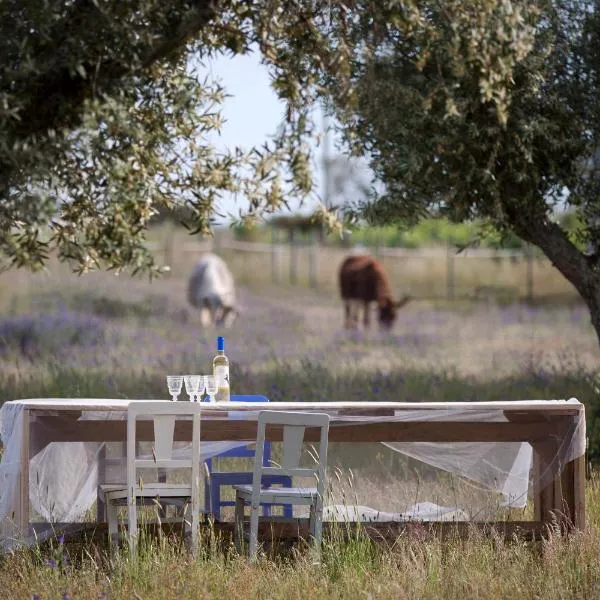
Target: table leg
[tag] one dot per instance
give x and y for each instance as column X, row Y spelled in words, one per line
column 22, row 500
column 543, row 495
column 561, row 499
column 100, row 506
column 574, row 492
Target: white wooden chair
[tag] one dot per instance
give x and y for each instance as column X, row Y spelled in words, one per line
column 137, row 492
column 294, row 425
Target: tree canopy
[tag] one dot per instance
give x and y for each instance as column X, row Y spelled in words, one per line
column 483, row 109
column 104, row 118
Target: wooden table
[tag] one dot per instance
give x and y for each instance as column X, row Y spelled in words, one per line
column 546, row 426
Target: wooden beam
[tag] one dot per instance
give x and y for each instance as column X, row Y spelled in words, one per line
column 385, row 431
column 276, row 528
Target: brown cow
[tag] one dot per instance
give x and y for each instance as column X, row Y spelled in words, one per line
column 362, row 281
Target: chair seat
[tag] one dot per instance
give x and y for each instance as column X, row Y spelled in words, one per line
column 165, row 491
column 284, row 495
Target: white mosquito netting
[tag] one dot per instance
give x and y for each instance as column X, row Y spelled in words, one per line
column 367, row 481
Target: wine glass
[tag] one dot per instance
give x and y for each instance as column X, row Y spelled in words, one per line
column 192, row 384
column 200, row 388
column 211, row 387
column 174, row 383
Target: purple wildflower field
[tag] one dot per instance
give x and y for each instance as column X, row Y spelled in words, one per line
column 102, row 321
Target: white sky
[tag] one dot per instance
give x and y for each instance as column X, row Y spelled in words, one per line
column 252, row 112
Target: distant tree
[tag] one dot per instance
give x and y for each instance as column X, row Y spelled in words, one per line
column 350, row 183
column 482, row 109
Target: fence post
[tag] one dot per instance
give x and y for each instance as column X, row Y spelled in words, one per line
column 529, row 258
column 449, row 272
column 312, row 261
column 293, row 257
column 216, row 242
column 169, row 246
column 274, row 255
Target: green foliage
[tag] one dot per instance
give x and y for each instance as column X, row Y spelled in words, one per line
column 105, row 121
column 426, row 233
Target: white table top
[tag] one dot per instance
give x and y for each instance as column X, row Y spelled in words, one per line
column 112, row 404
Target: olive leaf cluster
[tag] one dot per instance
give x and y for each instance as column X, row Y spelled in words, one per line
column 105, row 120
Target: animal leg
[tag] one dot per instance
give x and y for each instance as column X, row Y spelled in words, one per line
column 347, row 315
column 355, row 312
column 229, row 316
column 205, row 318
column 366, row 316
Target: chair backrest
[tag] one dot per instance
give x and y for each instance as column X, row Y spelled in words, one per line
column 163, row 415
column 244, row 451
column 294, row 425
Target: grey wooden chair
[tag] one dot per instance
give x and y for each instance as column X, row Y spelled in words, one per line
column 294, row 425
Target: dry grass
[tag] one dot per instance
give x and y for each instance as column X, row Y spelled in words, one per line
column 412, row 567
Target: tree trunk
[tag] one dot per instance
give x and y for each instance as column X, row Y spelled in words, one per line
column 583, row 273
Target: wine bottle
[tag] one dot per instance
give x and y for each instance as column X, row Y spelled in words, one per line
column 221, row 372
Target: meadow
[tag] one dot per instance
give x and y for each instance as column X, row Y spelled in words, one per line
column 106, row 336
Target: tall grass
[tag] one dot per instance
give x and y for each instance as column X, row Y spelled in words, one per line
column 413, row 566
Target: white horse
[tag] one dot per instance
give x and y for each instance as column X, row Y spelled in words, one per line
column 211, row 289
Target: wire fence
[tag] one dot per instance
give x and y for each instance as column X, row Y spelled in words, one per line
column 428, row 273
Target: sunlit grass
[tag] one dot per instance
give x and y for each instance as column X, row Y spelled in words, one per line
column 412, row 566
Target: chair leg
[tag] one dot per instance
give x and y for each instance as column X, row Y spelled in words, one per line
column 253, row 543
column 238, row 530
column 215, row 501
column 316, row 526
column 207, row 493
column 266, row 510
column 194, row 520
column 132, row 527
column 113, row 522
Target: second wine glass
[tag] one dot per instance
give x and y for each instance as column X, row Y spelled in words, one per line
column 211, row 387
column 192, row 385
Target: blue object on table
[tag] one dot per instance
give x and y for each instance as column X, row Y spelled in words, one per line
column 212, row 492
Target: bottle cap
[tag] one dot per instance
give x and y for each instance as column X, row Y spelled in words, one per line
column 220, row 343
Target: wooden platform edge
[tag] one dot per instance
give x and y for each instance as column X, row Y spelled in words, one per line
column 280, row 529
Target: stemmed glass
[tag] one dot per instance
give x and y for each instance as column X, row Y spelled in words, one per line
column 174, row 383
column 201, row 387
column 192, row 385
column 211, row 387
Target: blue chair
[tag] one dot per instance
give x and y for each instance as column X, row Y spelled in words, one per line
column 212, row 492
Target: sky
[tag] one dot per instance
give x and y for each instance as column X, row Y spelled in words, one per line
column 252, row 112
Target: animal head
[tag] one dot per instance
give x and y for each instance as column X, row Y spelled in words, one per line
column 388, row 310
